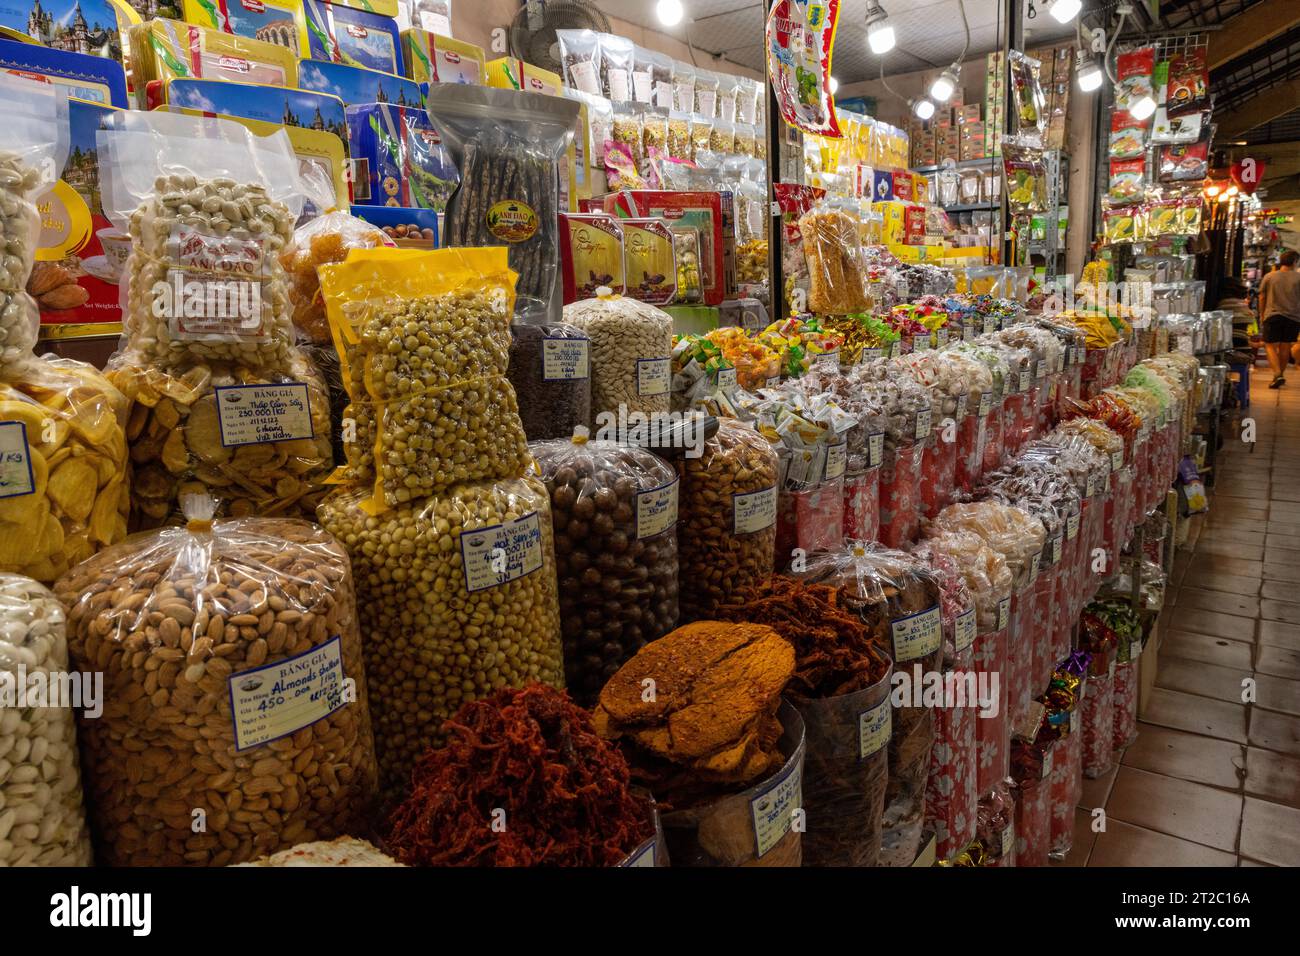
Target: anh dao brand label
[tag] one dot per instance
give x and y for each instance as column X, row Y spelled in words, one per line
column 654, row 376
column 16, row 476
column 964, row 630
column 256, row 414
column 917, row 635
column 923, row 423
column 565, row 360
column 874, row 728
column 755, row 511
column 512, row 220
column 773, row 806
column 656, row 510
column 233, row 64
column 1004, row 613
column 501, row 553
column 213, row 288
column 276, row 700
column 836, row 458
column 986, row 403
column 875, row 449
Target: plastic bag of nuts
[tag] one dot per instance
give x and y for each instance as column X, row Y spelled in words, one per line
column 67, row 496
column 233, row 685
column 209, row 206
column 550, row 369
column 42, row 821
column 424, row 341
column 614, row 510
column 443, row 625
column 631, row 354
column 318, row 242
column 726, row 538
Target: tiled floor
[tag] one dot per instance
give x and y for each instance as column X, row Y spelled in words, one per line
column 1213, row 780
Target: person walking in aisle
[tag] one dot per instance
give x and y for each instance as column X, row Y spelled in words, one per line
column 1279, row 312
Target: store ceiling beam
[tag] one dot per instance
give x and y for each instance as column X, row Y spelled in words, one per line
column 1259, row 24
column 1268, row 105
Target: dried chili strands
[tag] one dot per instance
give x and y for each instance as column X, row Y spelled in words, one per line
column 532, row 755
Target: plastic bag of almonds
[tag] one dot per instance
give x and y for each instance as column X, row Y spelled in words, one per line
column 726, row 537
column 234, row 691
column 257, row 440
column 65, row 466
column 424, row 341
column 42, row 821
column 209, row 207
column 631, row 354
column 458, row 600
column 614, row 510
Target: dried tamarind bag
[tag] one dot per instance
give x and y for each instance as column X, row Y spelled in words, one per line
column 424, row 341
column 506, row 145
column 233, row 684
column 41, row 810
column 614, row 509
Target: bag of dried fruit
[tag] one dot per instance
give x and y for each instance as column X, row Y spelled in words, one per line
column 222, row 400
column 234, row 691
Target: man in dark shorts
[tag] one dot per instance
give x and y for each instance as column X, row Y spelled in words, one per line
column 1279, row 310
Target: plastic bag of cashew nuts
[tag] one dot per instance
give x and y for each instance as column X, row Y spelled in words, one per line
column 65, row 466
column 42, row 820
column 424, row 343
column 33, row 146
column 458, row 599
column 209, row 207
column 234, row 691
column 631, row 354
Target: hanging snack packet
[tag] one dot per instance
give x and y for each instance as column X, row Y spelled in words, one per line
column 1120, row 224
column 1027, row 92
column 1026, row 176
column 799, row 40
column 1127, row 136
column 1134, row 79
column 1189, row 83
column 1127, row 179
column 706, row 94
column 684, row 87
column 506, row 145
column 580, row 55
column 616, row 58
column 1185, row 163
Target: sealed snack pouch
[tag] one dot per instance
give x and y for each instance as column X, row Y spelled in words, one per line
column 506, row 145
column 424, row 340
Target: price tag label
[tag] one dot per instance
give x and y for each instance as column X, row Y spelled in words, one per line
column 16, row 477
column 656, row 510
column 986, row 403
column 836, row 459
column 1116, row 460
column 922, row 423
column 828, row 360
column 874, row 728
column 963, row 401
column 870, row 354
column 726, row 378
column 772, row 808
column 921, row 343
column 1056, row 549
column 990, row 324
column 875, row 449
column 1072, row 527
column 653, row 376
column 968, row 333
column 501, row 553
column 276, row 700
column 755, row 511
column 565, row 359
column 941, row 337
column 1004, row 613
column 917, row 635
column 964, row 630
column 1026, row 380
column 258, row 414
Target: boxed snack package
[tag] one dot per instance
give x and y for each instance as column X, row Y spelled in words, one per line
column 649, row 260
column 164, row 49
column 408, row 228
column 431, row 57
column 356, row 84
column 512, row 73
column 591, row 255
column 91, row 27
column 699, row 211
column 352, row 35
column 304, row 109
column 275, row 21
column 95, row 79
column 398, row 158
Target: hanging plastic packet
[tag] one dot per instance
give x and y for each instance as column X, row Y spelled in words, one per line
column 799, row 39
column 706, row 94
column 1027, row 94
column 643, row 65
column 1127, row 180
column 1189, row 83
column 1133, row 74
column 616, row 58
column 1185, row 162
column 1120, row 224
column 684, row 87
column 1026, row 176
column 1127, row 136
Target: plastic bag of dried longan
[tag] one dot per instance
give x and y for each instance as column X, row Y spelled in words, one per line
column 322, row 241
column 234, row 691
column 614, row 509
column 457, row 599
column 423, row 338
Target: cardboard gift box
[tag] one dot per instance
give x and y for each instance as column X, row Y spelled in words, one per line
column 340, row 33
column 433, row 58
column 398, row 158
column 698, row 211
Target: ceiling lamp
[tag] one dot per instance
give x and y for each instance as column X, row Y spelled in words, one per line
column 923, row 108
column 1088, row 72
column 1143, row 108
column 832, row 84
column 880, row 32
column 942, row 88
column 669, row 12
column 1063, row 11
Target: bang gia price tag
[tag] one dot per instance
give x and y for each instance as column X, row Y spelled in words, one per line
column 964, row 628
column 16, row 476
column 565, row 359
column 653, row 376
column 917, row 635
column 874, row 728
column 772, row 808
column 501, row 553
column 755, row 511
column 275, row 700
column 256, row 414
column 656, row 510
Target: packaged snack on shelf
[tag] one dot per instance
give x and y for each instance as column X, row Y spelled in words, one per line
column 435, row 57
column 324, row 240
column 1134, row 77
column 452, row 538
column 1127, row 136
column 604, row 497
column 1127, row 180
column 1185, row 162
column 1026, row 177
column 146, row 772
column 1124, row 730
column 649, row 260
column 836, row 282
column 1120, row 224
column 398, row 158
column 356, row 84
column 357, row 37
column 799, row 65
column 580, row 54
column 278, row 21
column 1188, row 83
column 700, row 215
column 684, row 87
column 1030, row 104
column 1032, row 766
column 550, row 369
column 591, row 255
column 631, row 355
column 506, row 145
column 43, row 778
column 706, row 94
column 722, row 136
column 616, row 58
column 162, row 49
column 687, row 255
column 95, row 79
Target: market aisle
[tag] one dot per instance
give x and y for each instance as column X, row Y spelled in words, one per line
column 1211, row 781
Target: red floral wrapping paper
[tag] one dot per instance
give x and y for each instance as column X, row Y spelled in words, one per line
column 1013, row 417
column 950, row 791
column 993, row 733
column 1124, row 730
column 810, row 520
column 1063, row 605
column 900, row 499
column 938, row 473
column 1033, row 822
column 1098, row 716
column 1067, row 787
column 862, row 506
column 994, row 440
column 1041, row 623
column 971, row 435
column 1020, row 655
column 995, row 826
column 1092, row 537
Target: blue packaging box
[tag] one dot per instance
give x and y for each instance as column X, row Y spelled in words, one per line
column 398, row 158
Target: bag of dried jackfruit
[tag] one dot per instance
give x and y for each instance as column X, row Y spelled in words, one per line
column 424, row 342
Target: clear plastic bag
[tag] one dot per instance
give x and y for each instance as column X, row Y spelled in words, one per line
column 727, row 534
column 506, row 144
column 837, row 284
column 580, row 54
column 321, row 241
column 65, row 478
column 209, row 207
column 614, row 510
column 550, row 369
column 41, row 794
column 457, row 599
column 424, row 341
column 631, row 355
column 233, row 684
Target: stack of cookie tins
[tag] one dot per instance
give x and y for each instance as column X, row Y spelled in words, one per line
column 448, row 527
